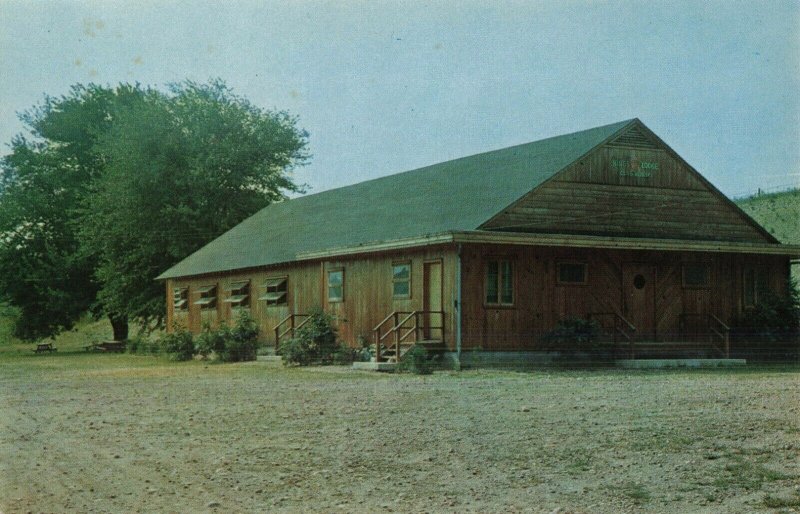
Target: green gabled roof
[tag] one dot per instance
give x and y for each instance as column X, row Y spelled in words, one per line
column 456, row 195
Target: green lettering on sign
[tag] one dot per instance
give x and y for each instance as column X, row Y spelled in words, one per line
column 634, row 167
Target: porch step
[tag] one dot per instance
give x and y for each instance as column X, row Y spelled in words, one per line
column 433, row 345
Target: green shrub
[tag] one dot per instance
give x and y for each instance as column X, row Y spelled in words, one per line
column 210, row 341
column 230, row 344
column 575, row 340
column 241, row 341
column 345, row 355
column 417, row 361
column 315, row 342
column 770, row 329
column 296, row 351
column 178, row 344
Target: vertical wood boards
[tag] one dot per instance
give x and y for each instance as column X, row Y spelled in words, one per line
column 628, row 192
column 638, row 298
column 367, row 293
column 540, row 301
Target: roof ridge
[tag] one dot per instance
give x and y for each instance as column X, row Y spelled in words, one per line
column 622, row 124
column 458, row 194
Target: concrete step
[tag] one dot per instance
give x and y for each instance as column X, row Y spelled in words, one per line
column 375, row 366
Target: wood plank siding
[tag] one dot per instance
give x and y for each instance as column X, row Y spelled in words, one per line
column 540, row 300
column 632, row 193
column 367, row 293
column 608, row 221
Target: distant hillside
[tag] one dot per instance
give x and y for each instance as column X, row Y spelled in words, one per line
column 777, row 212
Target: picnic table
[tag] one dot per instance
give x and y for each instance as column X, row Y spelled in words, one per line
column 45, row 347
column 107, row 346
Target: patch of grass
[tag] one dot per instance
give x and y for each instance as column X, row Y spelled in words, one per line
column 741, row 473
column 636, row 492
column 777, row 502
column 87, row 331
column 579, row 460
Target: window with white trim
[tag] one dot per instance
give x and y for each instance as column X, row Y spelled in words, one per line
column 336, row 285
column 401, row 280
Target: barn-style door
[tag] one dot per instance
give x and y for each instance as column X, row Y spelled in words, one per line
column 638, row 298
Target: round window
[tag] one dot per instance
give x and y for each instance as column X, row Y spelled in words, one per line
column 639, row 281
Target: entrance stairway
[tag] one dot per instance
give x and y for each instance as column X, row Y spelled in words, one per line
column 402, row 330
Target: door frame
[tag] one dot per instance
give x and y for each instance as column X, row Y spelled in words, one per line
column 425, row 289
column 651, row 332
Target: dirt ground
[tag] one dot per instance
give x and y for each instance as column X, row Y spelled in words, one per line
column 119, row 433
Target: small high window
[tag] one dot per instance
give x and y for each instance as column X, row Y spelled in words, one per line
column 276, row 289
column 499, row 283
column 575, row 273
column 239, row 294
column 401, row 280
column 180, row 298
column 696, row 275
column 336, row 285
column 755, row 284
column 208, row 297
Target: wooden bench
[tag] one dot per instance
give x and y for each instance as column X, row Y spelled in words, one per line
column 106, row 346
column 45, row 347
column 112, row 346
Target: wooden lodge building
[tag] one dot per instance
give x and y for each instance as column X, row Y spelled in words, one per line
column 487, row 253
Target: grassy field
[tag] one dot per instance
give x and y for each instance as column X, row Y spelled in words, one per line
column 778, row 212
column 85, row 432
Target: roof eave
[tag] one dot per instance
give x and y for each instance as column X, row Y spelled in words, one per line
column 625, row 243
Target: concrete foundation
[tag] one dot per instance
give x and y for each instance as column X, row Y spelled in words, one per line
column 375, row 366
column 472, row 359
column 679, row 363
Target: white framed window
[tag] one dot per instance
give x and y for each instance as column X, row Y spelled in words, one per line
column 336, row 285
column 401, row 280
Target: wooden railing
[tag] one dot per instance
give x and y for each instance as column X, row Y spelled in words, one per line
column 621, row 329
column 718, row 332
column 401, row 326
column 293, row 326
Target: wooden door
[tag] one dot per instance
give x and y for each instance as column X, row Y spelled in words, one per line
column 638, row 297
column 432, row 299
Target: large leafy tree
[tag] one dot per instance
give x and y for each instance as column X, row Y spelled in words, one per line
column 166, row 172
column 44, row 178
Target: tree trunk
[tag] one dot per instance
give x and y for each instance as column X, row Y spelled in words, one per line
column 120, row 326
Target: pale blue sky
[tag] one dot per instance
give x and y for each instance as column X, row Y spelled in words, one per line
column 383, row 87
